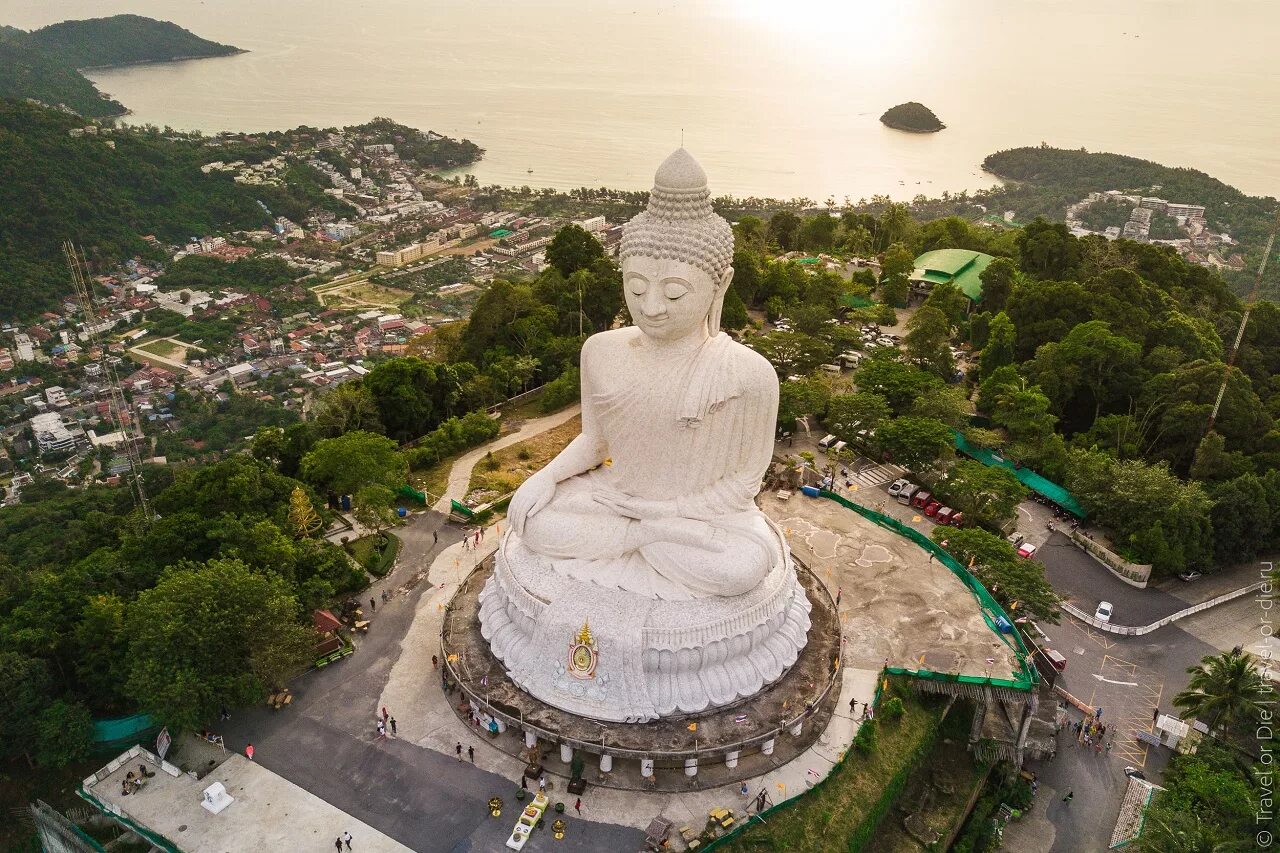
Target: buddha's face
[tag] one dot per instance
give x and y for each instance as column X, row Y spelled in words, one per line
column 668, row 299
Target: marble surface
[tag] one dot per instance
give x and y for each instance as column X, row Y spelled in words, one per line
column 639, row 579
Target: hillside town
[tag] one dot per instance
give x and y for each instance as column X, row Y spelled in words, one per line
column 411, row 253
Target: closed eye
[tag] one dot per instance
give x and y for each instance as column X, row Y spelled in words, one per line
column 674, row 291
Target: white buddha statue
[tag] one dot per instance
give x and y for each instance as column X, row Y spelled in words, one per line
column 657, row 493
column 645, row 527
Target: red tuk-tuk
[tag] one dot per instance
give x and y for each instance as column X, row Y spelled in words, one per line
column 921, row 499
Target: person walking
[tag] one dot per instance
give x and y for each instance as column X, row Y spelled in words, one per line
column 393, row 725
column 542, row 784
column 382, row 730
column 248, row 752
column 524, row 782
column 839, row 592
column 1071, row 795
column 457, row 750
column 853, row 705
column 471, row 754
column 385, row 716
column 337, row 844
column 373, row 605
column 435, row 662
column 577, row 806
column 346, row 838
column 435, row 538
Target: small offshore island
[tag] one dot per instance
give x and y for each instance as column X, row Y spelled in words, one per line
column 912, row 117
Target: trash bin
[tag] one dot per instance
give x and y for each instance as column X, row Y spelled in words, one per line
column 402, row 512
column 810, row 491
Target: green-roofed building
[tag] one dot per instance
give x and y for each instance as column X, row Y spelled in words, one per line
column 961, row 267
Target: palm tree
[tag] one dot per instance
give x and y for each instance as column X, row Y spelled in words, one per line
column 1226, row 690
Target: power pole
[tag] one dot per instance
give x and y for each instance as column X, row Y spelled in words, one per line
column 120, row 415
column 1244, row 321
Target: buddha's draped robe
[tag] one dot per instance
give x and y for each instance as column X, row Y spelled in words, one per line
column 698, row 432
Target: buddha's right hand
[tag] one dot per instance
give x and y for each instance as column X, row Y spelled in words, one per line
column 535, row 493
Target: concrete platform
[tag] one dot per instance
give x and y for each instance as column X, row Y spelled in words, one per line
column 269, row 812
column 897, row 607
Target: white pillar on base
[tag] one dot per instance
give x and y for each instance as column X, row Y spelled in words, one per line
column 530, row 739
column 646, row 767
column 797, row 728
column 502, row 727
column 731, row 759
column 767, row 749
column 606, row 762
column 691, row 767
column 566, row 753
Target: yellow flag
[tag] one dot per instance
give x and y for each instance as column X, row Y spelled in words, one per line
column 693, row 727
column 920, row 660
column 608, row 463
column 782, row 786
column 452, row 658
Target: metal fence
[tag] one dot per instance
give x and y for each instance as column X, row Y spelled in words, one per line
column 1140, row 630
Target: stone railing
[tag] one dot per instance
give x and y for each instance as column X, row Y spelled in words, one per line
column 1134, row 574
column 1140, row 630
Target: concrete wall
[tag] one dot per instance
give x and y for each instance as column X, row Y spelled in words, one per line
column 1134, row 574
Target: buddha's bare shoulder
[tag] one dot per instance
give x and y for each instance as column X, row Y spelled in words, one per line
column 603, row 344
column 754, row 366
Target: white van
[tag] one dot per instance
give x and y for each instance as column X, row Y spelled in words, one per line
column 827, row 441
column 830, row 368
column 837, row 447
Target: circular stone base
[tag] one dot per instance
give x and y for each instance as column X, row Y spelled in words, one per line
column 758, row 728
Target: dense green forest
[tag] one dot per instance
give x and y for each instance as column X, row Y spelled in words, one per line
column 441, row 152
column 913, row 116
column 123, row 40
column 54, row 187
column 1094, row 362
column 26, row 71
column 1048, row 180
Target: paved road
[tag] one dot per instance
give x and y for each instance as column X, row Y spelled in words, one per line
column 325, row 741
column 460, row 473
column 1128, row 677
column 1084, row 582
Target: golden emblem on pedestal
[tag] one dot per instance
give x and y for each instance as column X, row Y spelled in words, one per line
column 583, row 654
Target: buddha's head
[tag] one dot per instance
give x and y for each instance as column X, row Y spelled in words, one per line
column 676, row 255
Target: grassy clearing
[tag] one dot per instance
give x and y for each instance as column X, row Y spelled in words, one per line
column 434, row 480
column 512, row 465
column 165, row 349
column 823, row 820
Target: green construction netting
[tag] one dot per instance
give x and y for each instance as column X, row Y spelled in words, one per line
column 500, row 233
column 125, row 730
column 1033, row 481
column 1027, row 676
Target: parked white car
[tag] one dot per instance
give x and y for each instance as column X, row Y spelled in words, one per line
column 1103, row 613
column 897, row 486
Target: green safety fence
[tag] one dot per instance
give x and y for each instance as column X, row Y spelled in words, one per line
column 866, row 827
column 1027, row 677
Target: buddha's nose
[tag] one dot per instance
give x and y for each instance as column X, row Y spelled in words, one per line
column 653, row 305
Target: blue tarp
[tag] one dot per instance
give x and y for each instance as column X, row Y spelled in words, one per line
column 1045, row 488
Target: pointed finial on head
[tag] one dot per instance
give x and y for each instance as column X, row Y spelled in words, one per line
column 680, row 173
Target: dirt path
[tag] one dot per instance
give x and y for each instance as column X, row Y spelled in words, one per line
column 460, row 474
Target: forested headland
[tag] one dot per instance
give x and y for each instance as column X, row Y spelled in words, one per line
column 44, row 65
